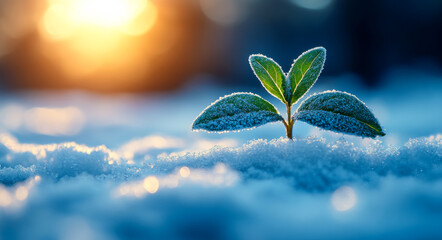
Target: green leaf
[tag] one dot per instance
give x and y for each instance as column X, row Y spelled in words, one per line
column 339, row 112
column 304, row 72
column 235, row 112
column 271, row 76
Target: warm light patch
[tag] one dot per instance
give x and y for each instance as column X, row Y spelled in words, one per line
column 57, row 22
column 108, row 13
column 11, row 116
column 184, row 172
column 63, row 18
column 54, row 121
column 5, row 197
column 21, row 193
column 86, row 35
column 151, row 184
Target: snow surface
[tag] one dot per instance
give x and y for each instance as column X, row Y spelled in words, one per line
column 274, row 189
column 132, row 169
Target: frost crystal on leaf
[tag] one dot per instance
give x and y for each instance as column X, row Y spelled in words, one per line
column 304, row 72
column 235, row 112
column 335, row 111
column 339, row 112
column 271, row 76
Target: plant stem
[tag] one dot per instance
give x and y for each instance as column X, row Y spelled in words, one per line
column 290, row 121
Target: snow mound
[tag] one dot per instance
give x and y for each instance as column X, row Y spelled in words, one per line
column 311, row 164
column 266, row 189
column 314, row 164
column 19, row 162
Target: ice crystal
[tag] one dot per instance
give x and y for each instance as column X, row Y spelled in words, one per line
column 336, row 111
column 339, row 112
column 236, row 111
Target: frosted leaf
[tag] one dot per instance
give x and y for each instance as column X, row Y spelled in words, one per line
column 236, row 111
column 339, row 112
column 271, row 76
column 304, row 72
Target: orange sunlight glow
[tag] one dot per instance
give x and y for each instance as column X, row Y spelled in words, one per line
column 84, row 36
column 64, row 18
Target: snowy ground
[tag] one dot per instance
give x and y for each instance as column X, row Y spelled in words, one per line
column 76, row 165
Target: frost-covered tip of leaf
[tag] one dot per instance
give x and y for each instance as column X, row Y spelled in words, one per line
column 339, row 112
column 271, row 76
column 304, row 72
column 235, row 112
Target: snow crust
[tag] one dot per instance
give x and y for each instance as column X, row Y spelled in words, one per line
column 311, row 164
column 277, row 189
column 314, row 164
column 19, row 162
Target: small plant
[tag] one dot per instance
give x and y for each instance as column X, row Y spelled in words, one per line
column 330, row 110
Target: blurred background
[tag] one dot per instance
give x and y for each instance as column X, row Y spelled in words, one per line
column 107, row 71
column 160, row 45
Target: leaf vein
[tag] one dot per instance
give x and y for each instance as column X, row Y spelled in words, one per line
column 369, row 125
column 303, row 74
column 282, row 95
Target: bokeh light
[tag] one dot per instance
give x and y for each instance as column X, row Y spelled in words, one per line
column 184, row 172
column 86, row 36
column 14, row 196
column 344, row 198
column 21, row 193
column 65, row 18
column 5, row 197
column 313, row 4
column 151, row 184
column 224, row 12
